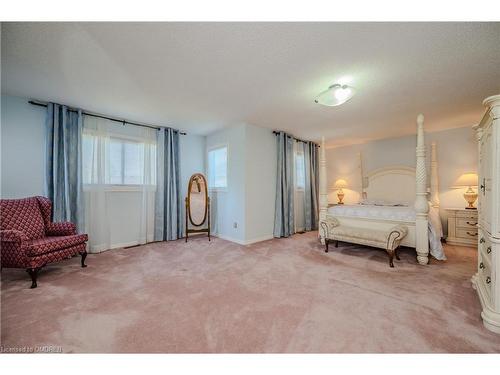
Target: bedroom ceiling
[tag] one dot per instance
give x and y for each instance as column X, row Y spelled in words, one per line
column 200, row 77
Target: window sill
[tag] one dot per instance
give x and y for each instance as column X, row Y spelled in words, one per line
column 218, row 190
column 121, row 188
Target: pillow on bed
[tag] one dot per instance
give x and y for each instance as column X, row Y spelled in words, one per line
column 381, row 202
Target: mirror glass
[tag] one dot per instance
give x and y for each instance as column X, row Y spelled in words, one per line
column 197, row 197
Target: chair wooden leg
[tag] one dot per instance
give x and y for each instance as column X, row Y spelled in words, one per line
column 336, row 243
column 84, row 255
column 326, row 245
column 33, row 272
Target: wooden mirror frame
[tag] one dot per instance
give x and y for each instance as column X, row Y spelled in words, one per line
column 206, row 216
column 192, row 180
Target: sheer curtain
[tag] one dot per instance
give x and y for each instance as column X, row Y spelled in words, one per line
column 299, row 187
column 119, row 175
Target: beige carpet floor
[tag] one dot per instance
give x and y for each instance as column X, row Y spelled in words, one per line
column 282, row 295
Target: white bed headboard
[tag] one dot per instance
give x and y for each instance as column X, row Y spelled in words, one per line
column 395, row 183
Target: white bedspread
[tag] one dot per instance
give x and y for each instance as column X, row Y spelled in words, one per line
column 396, row 213
column 373, row 212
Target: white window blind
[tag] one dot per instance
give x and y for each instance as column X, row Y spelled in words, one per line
column 300, row 176
column 217, row 168
column 118, row 161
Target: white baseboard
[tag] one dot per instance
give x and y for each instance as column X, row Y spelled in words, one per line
column 259, row 239
column 127, row 244
column 95, row 249
column 244, row 242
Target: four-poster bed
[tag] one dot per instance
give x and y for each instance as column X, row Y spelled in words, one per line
column 394, row 183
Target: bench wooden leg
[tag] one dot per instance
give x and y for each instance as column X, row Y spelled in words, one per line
column 396, row 253
column 391, row 257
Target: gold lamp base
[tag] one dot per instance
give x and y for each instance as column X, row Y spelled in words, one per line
column 471, row 197
column 340, row 196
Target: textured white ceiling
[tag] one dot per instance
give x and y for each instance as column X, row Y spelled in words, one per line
column 200, row 77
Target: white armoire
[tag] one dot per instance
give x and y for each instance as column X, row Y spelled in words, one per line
column 487, row 279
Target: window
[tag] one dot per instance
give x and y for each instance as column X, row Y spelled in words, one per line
column 217, row 168
column 300, row 171
column 126, row 161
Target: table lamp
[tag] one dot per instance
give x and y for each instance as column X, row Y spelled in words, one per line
column 468, row 180
column 340, row 184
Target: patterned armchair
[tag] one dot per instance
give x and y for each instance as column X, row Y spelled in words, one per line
column 30, row 240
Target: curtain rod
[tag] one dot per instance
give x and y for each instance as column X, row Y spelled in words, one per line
column 42, row 104
column 275, row 132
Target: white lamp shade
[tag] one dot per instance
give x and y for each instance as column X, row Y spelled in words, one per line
column 335, row 95
column 466, row 180
column 340, row 184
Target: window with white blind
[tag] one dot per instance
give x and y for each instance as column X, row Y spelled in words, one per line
column 125, row 162
column 217, row 168
column 300, row 171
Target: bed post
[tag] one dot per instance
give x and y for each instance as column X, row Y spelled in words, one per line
column 434, row 177
column 323, row 190
column 362, row 187
column 421, row 205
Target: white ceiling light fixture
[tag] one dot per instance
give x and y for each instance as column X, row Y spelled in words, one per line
column 335, row 95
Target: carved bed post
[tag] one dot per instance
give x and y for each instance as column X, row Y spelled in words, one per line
column 421, row 205
column 361, row 175
column 323, row 189
column 434, row 177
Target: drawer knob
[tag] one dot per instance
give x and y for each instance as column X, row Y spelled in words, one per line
column 488, row 280
column 469, row 223
column 472, row 234
column 482, row 240
column 488, row 250
column 481, row 265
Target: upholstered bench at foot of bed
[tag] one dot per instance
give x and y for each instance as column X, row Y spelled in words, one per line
column 388, row 240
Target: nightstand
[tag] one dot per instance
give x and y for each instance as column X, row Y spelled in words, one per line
column 462, row 227
column 332, row 204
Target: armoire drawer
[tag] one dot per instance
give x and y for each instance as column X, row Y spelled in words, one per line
column 485, row 248
column 485, row 273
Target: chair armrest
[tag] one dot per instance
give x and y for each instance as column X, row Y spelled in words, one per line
column 327, row 226
column 13, row 248
column 12, row 235
column 60, row 229
column 395, row 235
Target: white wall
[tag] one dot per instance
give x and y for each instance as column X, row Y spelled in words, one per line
column 260, row 183
column 192, row 160
column 22, row 148
column 23, row 165
column 249, row 198
column 228, row 206
column 456, row 154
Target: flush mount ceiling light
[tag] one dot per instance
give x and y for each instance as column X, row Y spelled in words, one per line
column 335, row 95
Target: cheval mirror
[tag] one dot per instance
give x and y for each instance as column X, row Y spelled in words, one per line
column 197, row 206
